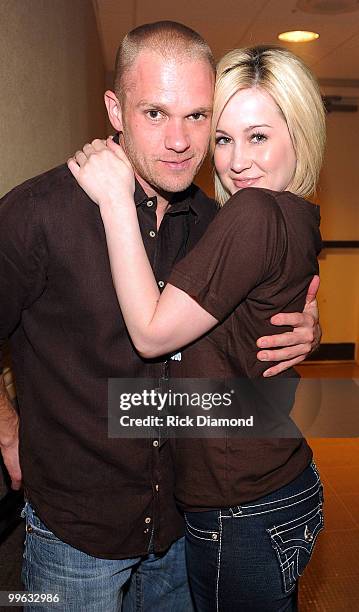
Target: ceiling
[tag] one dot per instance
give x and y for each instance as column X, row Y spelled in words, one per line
column 227, row 24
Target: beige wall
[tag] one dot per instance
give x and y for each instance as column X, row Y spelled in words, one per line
column 338, row 191
column 338, row 196
column 51, row 84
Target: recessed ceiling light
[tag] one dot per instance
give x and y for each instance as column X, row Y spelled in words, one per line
column 298, row 36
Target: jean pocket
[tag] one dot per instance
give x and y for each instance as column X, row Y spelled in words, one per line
column 34, row 526
column 201, row 534
column 294, row 542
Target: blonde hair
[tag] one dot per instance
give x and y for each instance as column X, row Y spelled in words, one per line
column 294, row 89
column 168, row 38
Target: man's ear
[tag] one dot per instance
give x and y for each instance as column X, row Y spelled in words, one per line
column 114, row 110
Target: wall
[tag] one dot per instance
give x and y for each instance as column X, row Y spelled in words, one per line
column 52, row 83
column 338, row 196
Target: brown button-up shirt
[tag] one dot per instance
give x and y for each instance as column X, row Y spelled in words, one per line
column 59, row 307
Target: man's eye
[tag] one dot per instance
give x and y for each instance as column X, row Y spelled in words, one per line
column 222, row 140
column 154, row 114
column 197, row 116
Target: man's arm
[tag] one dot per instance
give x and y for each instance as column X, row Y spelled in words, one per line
column 297, row 344
column 9, row 436
column 22, row 278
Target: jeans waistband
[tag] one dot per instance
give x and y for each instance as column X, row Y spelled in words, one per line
column 305, row 486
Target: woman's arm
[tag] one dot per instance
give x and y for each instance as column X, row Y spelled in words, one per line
column 158, row 324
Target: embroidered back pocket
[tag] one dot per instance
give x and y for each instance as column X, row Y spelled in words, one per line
column 294, row 543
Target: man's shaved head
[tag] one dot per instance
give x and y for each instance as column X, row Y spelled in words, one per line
column 167, row 38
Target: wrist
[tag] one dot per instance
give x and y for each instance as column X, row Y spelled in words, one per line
column 9, row 430
column 115, row 202
column 10, row 437
column 117, row 209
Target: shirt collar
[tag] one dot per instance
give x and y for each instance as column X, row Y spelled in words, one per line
column 180, row 202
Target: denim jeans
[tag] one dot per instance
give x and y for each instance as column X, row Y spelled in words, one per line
column 248, row 558
column 87, row 584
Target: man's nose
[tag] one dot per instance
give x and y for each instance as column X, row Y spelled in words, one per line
column 177, row 138
column 241, row 158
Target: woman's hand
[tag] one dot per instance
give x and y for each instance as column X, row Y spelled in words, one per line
column 103, row 170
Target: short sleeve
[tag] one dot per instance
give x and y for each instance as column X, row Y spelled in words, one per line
column 242, row 247
column 22, row 259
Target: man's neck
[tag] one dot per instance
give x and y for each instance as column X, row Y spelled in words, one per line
column 162, row 199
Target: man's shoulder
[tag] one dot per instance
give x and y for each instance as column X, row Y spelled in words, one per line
column 52, row 181
column 202, row 203
column 49, row 193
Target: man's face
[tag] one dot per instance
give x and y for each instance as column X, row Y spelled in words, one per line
column 166, row 117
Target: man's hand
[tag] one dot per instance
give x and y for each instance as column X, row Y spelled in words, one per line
column 9, row 437
column 300, row 342
column 10, row 456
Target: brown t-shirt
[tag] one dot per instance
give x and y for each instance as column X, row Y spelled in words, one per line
column 256, row 259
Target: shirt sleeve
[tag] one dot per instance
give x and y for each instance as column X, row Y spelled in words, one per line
column 242, row 247
column 22, row 259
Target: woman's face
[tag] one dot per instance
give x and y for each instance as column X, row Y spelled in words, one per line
column 253, row 145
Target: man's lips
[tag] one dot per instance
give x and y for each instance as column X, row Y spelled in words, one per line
column 176, row 164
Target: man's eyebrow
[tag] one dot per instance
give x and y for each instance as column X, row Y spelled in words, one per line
column 151, row 104
column 202, row 109
column 160, row 105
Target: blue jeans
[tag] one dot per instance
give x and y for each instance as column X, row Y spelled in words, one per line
column 87, row 584
column 248, row 558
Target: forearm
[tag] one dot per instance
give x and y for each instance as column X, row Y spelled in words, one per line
column 9, row 420
column 133, row 278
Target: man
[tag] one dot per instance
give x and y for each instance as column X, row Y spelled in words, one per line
column 101, row 510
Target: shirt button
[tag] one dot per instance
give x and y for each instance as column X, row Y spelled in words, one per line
column 145, row 530
column 155, row 443
column 147, row 520
column 150, row 203
column 157, row 487
column 152, row 234
column 161, row 284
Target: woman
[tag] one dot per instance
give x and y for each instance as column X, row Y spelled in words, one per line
column 253, row 508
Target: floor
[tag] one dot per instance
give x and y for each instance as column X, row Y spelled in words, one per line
column 331, row 582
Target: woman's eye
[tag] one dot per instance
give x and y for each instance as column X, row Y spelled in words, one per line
column 258, row 137
column 222, row 140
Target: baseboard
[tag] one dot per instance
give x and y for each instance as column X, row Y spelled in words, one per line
column 344, row 351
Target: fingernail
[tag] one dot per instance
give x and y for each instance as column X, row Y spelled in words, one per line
column 263, row 357
column 263, row 343
column 267, row 374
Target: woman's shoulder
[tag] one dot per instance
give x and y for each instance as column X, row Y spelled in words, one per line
column 256, row 196
column 251, row 203
column 261, row 199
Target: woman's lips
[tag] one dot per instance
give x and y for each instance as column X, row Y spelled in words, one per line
column 247, row 182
